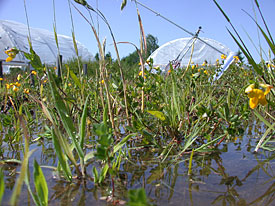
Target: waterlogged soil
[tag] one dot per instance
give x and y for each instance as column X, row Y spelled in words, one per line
column 234, row 175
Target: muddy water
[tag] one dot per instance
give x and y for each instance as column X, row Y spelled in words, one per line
column 234, row 175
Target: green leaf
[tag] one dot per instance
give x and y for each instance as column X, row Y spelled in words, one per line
column 272, row 46
column 2, row 185
column 61, row 157
column 137, row 197
column 75, row 44
column 96, row 179
column 103, row 172
column 40, row 184
column 222, row 11
column 83, row 123
column 75, row 79
column 64, row 115
column 122, row 142
column 249, row 58
column 89, row 156
column 35, row 60
column 157, row 114
column 19, row 182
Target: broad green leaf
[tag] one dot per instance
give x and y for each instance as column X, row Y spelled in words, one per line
column 40, row 184
column 64, row 115
column 103, row 172
column 76, row 80
column 34, row 59
column 137, row 197
column 157, row 114
column 96, row 179
column 61, row 157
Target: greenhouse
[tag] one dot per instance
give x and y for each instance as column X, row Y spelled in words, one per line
column 14, row 34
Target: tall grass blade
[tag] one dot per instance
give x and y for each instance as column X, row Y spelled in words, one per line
column 19, row 182
column 269, row 39
column 258, row 6
column 260, row 143
column 190, row 162
column 83, row 123
column 122, row 143
column 40, row 184
column 247, row 55
column 2, row 185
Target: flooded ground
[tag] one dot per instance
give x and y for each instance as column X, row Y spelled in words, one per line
column 234, row 175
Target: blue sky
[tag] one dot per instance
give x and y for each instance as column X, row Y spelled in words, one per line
column 190, row 14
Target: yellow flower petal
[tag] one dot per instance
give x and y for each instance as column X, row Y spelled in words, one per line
column 263, row 101
column 249, row 88
column 267, row 88
column 9, row 59
column 253, row 102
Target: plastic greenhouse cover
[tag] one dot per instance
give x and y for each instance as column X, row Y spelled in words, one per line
column 14, row 34
column 180, row 49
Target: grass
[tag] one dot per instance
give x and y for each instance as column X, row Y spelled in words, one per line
column 83, row 116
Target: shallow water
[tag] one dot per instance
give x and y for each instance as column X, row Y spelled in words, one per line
column 234, row 175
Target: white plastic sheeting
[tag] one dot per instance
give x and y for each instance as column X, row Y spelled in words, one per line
column 180, row 49
column 14, row 34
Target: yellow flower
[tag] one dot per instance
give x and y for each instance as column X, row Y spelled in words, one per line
column 19, row 76
column 256, row 95
column 223, row 56
column 34, row 72
column 200, row 69
column 71, row 84
column 193, row 66
column 8, row 86
column 55, row 68
column 11, row 54
column 206, row 72
column 140, row 74
column 236, row 58
column 169, row 71
column 267, row 88
column 17, row 84
column 26, row 91
column 157, row 68
column 102, row 81
column 204, row 63
column 1, row 79
column 15, row 89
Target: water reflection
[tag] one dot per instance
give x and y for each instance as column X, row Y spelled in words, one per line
column 234, row 175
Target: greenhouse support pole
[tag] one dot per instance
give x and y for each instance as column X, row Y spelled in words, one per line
column 85, row 69
column 1, row 73
column 59, row 65
column 30, row 68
